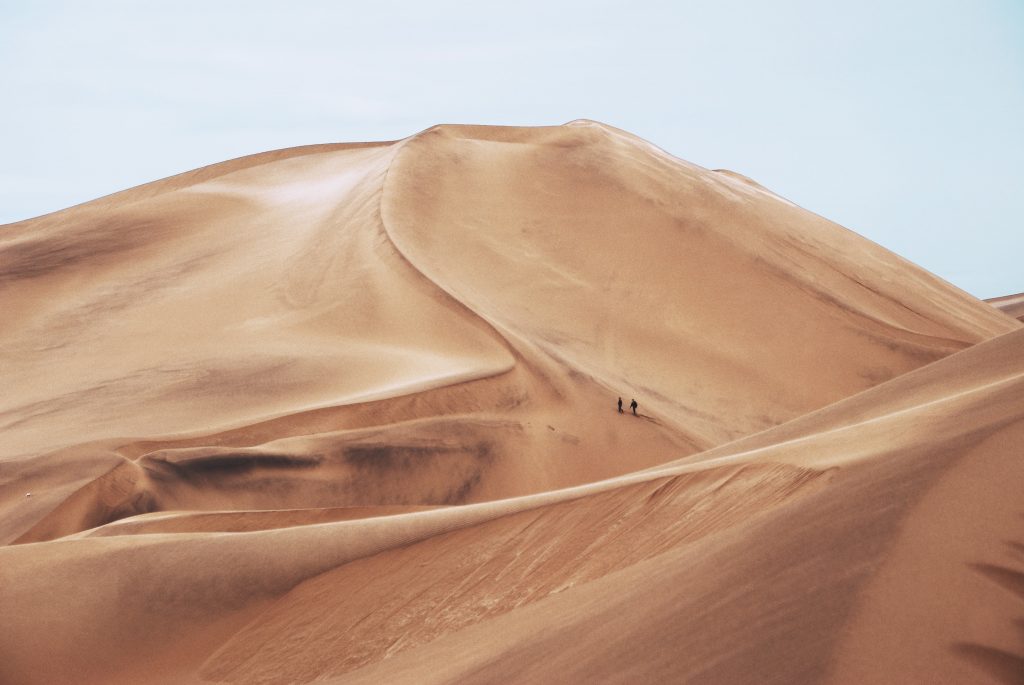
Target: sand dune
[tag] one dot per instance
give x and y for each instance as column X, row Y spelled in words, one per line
column 1011, row 304
column 347, row 413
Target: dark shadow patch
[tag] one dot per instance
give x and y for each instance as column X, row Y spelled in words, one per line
column 1008, row 578
column 876, row 375
column 52, row 250
column 916, row 351
column 384, row 468
column 237, row 464
column 390, row 457
column 117, row 494
column 1004, row 666
column 140, row 503
column 461, row 492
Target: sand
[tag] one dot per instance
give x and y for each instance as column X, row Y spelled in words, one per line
column 347, row 413
column 1010, row 304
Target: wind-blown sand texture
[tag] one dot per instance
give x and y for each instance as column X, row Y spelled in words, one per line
column 346, row 413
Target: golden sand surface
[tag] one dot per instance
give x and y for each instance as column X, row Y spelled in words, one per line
column 348, row 413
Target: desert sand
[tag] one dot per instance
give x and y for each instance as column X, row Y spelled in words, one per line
column 347, row 413
column 1011, row 304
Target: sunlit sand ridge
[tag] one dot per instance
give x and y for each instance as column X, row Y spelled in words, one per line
column 347, row 413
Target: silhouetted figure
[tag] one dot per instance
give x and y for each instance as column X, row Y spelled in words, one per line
column 620, row 405
column 633, row 405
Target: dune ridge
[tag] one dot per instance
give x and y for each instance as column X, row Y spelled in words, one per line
column 346, row 413
column 1010, row 304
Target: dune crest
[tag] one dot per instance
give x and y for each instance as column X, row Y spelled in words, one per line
column 336, row 412
column 1010, row 304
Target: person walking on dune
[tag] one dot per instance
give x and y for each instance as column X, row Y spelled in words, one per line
column 620, row 405
column 633, row 405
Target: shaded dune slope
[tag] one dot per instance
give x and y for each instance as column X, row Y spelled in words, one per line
column 781, row 550
column 366, row 299
column 339, row 411
column 683, row 285
column 1012, row 305
column 735, row 568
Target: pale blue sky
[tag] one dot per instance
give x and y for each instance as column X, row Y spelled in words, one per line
column 903, row 121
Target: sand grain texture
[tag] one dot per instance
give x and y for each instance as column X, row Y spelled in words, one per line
column 345, row 413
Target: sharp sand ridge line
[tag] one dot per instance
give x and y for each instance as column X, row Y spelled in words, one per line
column 893, row 416
column 498, row 331
column 311, row 551
column 668, row 156
column 425, row 524
column 398, row 390
column 671, row 470
column 383, row 393
column 505, row 335
column 894, row 385
column 493, row 324
column 503, row 332
column 203, row 174
column 153, row 595
column 474, row 514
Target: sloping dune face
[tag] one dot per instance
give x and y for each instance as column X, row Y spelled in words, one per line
column 348, row 413
column 722, row 306
column 1010, row 304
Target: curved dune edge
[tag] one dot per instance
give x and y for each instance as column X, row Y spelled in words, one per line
column 239, row 521
column 385, row 335
column 316, row 191
column 908, row 454
column 839, row 586
column 815, row 593
column 1011, row 305
column 445, row 186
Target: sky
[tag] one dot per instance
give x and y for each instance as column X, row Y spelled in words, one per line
column 903, row 121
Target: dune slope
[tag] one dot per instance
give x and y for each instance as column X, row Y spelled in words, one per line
column 741, row 568
column 1010, row 304
column 721, row 305
column 343, row 411
column 295, row 328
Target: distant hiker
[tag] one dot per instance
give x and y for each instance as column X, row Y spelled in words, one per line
column 620, row 405
column 633, row 405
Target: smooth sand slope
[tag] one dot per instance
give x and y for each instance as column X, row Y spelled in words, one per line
column 1010, row 304
column 346, row 412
